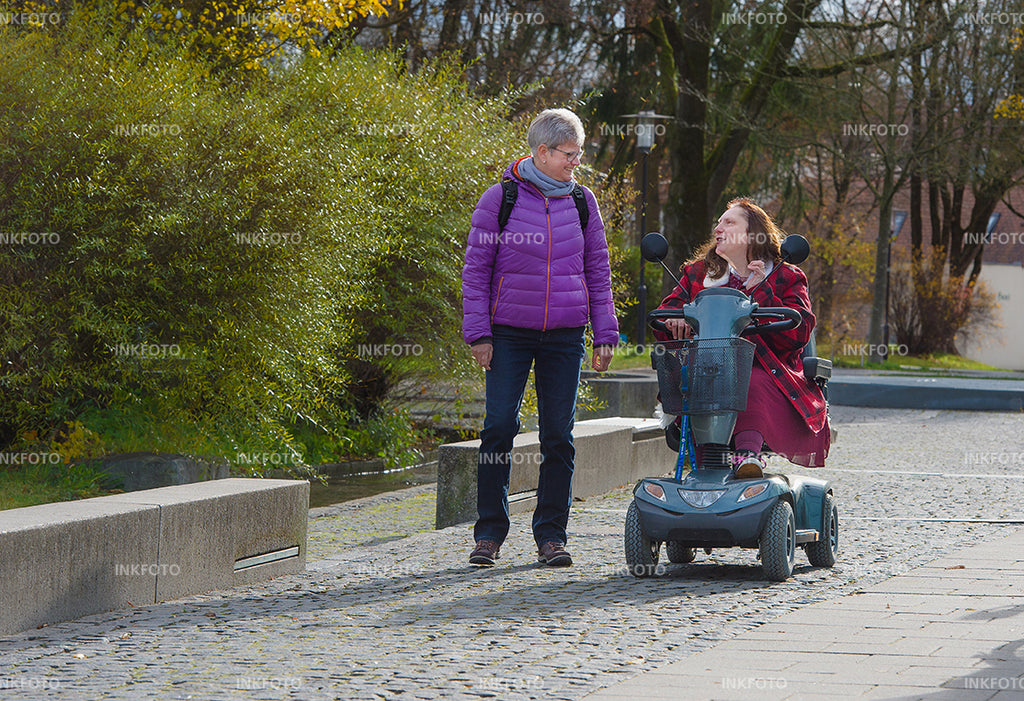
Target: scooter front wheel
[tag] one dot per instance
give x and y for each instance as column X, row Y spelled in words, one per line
column 778, row 542
column 641, row 552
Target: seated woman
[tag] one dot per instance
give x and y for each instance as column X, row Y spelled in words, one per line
column 784, row 409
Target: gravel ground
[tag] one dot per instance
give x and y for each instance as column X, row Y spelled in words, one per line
column 388, row 608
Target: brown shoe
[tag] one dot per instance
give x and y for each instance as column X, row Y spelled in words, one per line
column 554, row 554
column 485, row 553
column 748, row 466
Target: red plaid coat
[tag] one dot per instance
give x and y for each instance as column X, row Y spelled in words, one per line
column 779, row 353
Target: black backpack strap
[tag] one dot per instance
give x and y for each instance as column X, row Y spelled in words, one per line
column 509, row 195
column 581, row 206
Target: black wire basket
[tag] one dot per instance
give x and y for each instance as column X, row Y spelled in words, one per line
column 717, row 374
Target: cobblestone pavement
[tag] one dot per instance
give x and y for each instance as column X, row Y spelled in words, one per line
column 389, row 609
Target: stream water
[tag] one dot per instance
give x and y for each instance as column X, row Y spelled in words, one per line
column 369, row 481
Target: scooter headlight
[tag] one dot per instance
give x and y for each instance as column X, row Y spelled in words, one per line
column 701, row 498
column 655, row 490
column 752, row 491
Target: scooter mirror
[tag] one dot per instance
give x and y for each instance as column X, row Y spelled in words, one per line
column 794, row 248
column 654, row 247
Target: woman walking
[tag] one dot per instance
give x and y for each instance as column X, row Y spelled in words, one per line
column 530, row 286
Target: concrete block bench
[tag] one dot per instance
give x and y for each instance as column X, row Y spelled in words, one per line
column 70, row 559
column 610, row 452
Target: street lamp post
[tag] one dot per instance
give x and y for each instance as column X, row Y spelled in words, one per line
column 645, row 129
column 898, row 217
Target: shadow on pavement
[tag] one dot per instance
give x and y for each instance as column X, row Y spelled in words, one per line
column 379, row 601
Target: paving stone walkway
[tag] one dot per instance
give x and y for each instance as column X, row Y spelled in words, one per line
column 388, row 608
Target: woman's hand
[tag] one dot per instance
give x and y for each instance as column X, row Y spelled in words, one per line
column 602, row 358
column 757, row 273
column 482, row 353
column 678, row 328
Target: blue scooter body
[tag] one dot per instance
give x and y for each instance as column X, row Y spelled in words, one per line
column 731, row 519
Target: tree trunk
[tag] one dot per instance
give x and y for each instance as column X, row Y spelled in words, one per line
column 880, row 287
column 687, row 217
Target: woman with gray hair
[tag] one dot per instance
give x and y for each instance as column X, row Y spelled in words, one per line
column 536, row 272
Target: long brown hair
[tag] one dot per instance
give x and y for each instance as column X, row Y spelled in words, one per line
column 764, row 234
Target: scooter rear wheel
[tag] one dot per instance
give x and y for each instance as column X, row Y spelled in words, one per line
column 641, row 552
column 678, row 553
column 822, row 553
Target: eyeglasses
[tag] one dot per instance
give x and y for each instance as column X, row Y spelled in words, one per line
column 571, row 155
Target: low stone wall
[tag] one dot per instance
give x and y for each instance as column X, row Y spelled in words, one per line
column 610, row 453
column 623, row 394
column 946, row 393
column 70, row 559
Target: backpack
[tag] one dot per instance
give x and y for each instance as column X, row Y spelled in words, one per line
column 510, row 192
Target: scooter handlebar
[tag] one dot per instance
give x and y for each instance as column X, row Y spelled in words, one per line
column 789, row 319
column 656, row 318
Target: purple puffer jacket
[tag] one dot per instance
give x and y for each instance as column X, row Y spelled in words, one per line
column 543, row 272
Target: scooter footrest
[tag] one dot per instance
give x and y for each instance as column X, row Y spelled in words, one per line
column 807, row 536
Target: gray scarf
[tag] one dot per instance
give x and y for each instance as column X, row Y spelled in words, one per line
column 548, row 185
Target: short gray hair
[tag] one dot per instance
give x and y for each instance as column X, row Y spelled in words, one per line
column 554, row 127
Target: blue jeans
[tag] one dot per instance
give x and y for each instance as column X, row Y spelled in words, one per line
column 556, row 356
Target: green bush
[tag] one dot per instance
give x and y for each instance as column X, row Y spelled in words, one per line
column 218, row 253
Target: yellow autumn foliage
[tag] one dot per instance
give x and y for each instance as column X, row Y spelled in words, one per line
column 1013, row 106
column 239, row 33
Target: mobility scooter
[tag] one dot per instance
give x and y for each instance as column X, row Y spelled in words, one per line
column 705, row 380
